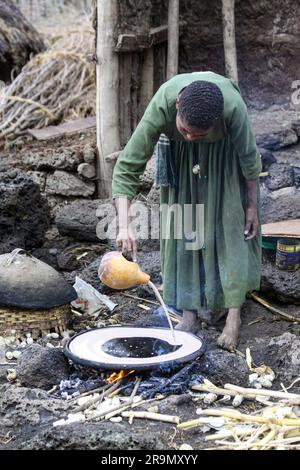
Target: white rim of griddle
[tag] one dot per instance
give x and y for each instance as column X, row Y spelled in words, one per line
column 85, row 347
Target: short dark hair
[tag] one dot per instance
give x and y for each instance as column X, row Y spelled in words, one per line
column 201, row 104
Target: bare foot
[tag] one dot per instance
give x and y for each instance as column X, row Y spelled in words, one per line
column 230, row 335
column 189, row 322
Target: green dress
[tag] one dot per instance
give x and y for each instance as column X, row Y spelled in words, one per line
column 226, row 268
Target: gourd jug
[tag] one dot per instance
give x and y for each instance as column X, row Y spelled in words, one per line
column 117, row 272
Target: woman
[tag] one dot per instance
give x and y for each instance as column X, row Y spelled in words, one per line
column 210, row 160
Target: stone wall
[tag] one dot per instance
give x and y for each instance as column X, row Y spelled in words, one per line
column 63, row 173
column 268, row 41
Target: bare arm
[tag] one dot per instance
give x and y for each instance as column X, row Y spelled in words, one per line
column 251, row 222
column 126, row 240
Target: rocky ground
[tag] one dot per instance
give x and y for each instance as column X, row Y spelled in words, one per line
column 67, row 240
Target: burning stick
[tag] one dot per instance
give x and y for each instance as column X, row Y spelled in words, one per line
column 129, row 403
column 151, row 416
column 106, row 390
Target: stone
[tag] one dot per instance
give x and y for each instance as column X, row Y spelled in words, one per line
column 146, row 180
column 289, row 155
column 58, row 159
column 276, row 206
column 94, row 436
column 280, row 284
column 274, row 129
column 68, row 184
column 90, row 274
column 79, row 221
column 86, row 170
column 45, row 254
column 24, row 213
column 267, row 158
column 41, row 367
column 89, row 153
column 222, row 367
column 27, row 407
column 282, row 354
column 280, row 176
column 38, row 177
column 297, row 176
column 153, row 196
column 67, row 261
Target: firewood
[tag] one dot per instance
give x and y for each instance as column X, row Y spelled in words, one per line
column 151, row 416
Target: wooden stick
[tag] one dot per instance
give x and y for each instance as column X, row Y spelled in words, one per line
column 151, row 416
column 214, row 389
column 265, row 393
column 91, row 392
column 173, row 38
column 229, row 39
column 130, row 401
column 236, row 415
column 107, row 390
column 275, row 310
column 224, row 434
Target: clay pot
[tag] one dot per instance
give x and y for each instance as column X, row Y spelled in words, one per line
column 117, row 272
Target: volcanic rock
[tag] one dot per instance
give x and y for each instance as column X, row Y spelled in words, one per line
column 282, row 354
column 280, row 284
column 22, row 406
column 67, row 184
column 79, row 220
column 283, row 204
column 59, row 159
column 41, row 367
column 280, row 176
column 91, row 436
column 222, row 367
column 24, row 214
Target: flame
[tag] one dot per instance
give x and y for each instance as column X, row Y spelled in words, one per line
column 117, row 376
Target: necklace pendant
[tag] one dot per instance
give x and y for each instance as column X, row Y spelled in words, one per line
column 197, row 170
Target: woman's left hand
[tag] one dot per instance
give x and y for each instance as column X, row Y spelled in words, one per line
column 251, row 222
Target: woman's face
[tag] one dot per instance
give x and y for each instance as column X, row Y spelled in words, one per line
column 189, row 133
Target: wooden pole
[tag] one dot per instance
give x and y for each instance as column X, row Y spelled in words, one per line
column 173, row 38
column 229, row 39
column 147, row 85
column 107, row 111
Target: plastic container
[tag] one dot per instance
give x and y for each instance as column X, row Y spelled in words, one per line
column 288, row 254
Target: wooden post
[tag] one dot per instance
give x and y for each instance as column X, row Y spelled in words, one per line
column 229, row 39
column 146, row 80
column 173, row 38
column 107, row 111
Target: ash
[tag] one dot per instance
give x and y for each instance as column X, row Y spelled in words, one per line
column 163, row 380
column 83, row 380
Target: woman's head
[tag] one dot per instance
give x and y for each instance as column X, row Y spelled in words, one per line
column 199, row 106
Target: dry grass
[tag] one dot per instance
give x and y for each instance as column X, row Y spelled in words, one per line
column 54, row 86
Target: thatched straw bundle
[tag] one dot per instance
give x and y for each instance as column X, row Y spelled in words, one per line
column 18, row 39
column 56, row 85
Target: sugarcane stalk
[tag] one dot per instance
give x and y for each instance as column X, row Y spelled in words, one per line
column 265, row 392
column 151, row 416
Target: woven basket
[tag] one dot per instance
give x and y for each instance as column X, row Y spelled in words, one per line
column 36, row 322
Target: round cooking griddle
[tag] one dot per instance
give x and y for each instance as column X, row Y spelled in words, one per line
column 136, row 348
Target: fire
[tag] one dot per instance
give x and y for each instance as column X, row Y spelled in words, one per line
column 117, row 376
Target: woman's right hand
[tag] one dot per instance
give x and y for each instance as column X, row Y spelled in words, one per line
column 126, row 243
